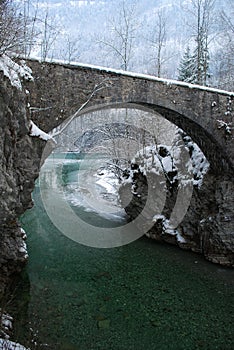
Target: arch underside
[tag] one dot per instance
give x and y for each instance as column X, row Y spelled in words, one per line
column 214, row 152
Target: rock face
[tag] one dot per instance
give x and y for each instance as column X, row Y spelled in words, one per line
column 208, row 224
column 19, row 167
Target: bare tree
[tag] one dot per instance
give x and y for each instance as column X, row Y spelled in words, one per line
column 225, row 56
column 105, row 83
column 123, row 29
column 71, row 51
column 19, row 27
column 29, row 12
column 50, row 31
column 158, row 40
column 11, row 28
column 203, row 8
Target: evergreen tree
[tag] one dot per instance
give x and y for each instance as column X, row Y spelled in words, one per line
column 187, row 69
column 195, row 68
column 201, row 57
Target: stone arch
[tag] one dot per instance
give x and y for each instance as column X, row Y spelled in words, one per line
column 214, row 151
column 209, row 219
column 193, row 108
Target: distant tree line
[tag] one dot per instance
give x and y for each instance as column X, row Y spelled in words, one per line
column 23, row 27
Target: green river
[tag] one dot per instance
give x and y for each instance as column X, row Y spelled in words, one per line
column 140, row 296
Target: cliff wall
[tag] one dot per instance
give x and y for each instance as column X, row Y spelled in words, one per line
column 19, row 167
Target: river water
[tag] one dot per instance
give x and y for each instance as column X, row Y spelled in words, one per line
column 140, row 296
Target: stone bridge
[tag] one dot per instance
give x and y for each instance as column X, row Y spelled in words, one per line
column 205, row 114
column 59, row 90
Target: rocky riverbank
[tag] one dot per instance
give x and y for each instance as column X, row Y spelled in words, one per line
column 207, row 225
column 19, row 167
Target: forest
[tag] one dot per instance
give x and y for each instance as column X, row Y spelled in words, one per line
column 188, row 40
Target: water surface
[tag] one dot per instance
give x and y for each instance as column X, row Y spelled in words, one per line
column 142, row 296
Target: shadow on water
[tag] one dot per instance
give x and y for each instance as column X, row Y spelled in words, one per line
column 143, row 295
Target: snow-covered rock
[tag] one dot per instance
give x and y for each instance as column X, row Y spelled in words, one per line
column 181, row 167
column 5, row 329
column 15, row 71
column 5, row 324
column 35, row 131
column 9, row 345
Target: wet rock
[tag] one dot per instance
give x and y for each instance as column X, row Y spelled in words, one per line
column 104, row 324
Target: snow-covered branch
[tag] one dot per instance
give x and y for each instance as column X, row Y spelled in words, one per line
column 39, row 109
column 37, row 132
column 14, row 71
column 97, row 88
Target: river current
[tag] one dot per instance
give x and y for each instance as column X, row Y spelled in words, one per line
column 139, row 296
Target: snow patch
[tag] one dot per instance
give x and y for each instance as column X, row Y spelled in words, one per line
column 24, row 236
column 14, row 71
column 168, row 229
column 9, row 345
column 168, row 82
column 5, row 324
column 226, row 126
column 23, row 249
column 199, row 165
column 151, row 161
column 35, row 131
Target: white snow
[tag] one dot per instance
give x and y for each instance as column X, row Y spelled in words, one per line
column 24, row 236
column 226, row 126
column 23, row 249
column 179, row 238
column 5, row 324
column 150, row 160
column 168, row 229
column 80, row 3
column 200, row 164
column 6, row 321
column 14, row 71
column 158, row 217
column 9, row 345
column 6, row 327
column 136, row 75
column 35, row 131
column 109, row 187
